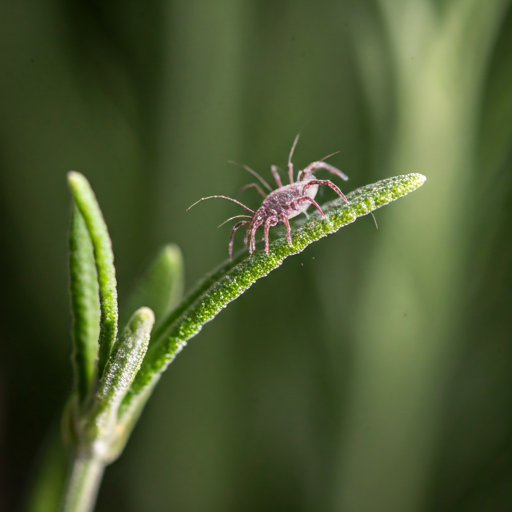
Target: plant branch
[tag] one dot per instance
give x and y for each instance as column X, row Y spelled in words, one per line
column 128, row 370
column 83, row 484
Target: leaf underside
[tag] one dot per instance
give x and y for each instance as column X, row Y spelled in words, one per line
column 232, row 278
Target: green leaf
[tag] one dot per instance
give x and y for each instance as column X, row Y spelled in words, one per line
column 84, row 305
column 161, row 287
column 123, row 364
column 86, row 202
column 231, row 279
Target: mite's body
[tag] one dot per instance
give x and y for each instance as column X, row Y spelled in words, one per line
column 281, row 204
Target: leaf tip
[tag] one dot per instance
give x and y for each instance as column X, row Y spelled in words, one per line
column 421, row 178
column 76, row 180
column 73, row 176
column 146, row 314
column 172, row 253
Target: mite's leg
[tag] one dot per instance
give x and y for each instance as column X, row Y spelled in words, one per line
column 325, row 182
column 254, row 173
column 257, row 187
column 312, row 201
column 290, row 165
column 235, row 217
column 251, row 236
column 271, row 221
column 286, row 222
column 222, row 197
column 231, row 237
column 324, row 165
column 275, row 173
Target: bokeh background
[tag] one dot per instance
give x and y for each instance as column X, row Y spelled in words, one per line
column 370, row 373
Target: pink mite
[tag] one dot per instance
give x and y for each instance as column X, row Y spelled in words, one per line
column 281, row 204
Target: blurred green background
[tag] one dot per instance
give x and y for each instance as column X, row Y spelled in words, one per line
column 370, row 373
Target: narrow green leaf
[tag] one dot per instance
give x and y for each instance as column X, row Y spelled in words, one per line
column 161, row 287
column 123, row 365
column 84, row 304
column 232, row 278
column 87, row 204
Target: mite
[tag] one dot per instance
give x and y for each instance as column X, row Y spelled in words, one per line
column 283, row 203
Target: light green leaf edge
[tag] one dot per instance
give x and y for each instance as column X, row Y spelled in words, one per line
column 231, row 279
column 88, row 205
column 84, row 305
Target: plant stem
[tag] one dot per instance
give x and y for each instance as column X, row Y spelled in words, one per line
column 83, row 484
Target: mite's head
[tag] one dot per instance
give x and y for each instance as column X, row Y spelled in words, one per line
column 306, row 175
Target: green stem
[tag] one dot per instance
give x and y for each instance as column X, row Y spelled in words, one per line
column 83, row 484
